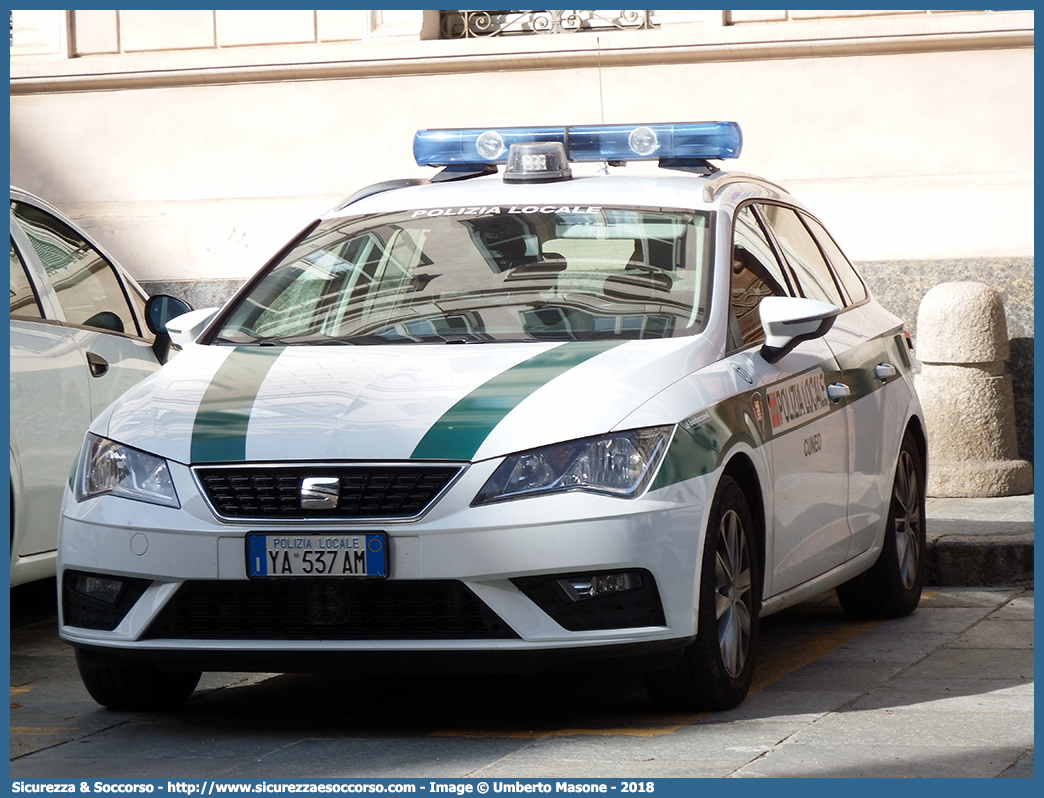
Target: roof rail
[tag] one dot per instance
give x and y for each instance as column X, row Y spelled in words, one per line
column 698, row 166
column 714, row 185
column 464, row 171
column 379, row 188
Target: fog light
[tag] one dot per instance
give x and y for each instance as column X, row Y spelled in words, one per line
column 105, row 589
column 593, row 600
column 99, row 601
column 582, row 587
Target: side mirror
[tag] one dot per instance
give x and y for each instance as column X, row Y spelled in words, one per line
column 787, row 321
column 160, row 309
column 106, row 320
column 185, row 329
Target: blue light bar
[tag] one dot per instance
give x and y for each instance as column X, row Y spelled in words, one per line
column 445, row 147
column 692, row 140
column 679, row 141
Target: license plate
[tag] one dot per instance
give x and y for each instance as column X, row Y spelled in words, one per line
column 350, row 554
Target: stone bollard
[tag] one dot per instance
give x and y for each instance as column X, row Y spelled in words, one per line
column 962, row 342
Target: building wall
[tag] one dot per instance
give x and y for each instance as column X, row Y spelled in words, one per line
column 194, row 143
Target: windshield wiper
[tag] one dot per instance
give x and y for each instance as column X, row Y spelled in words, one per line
column 371, row 340
column 489, row 340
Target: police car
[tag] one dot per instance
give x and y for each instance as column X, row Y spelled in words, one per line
column 503, row 419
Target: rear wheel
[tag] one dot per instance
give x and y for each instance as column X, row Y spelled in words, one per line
column 141, row 687
column 715, row 672
column 892, row 587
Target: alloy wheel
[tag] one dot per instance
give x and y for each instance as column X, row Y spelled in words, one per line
column 907, row 517
column 733, row 593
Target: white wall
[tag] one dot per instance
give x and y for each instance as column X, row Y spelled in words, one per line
column 199, row 155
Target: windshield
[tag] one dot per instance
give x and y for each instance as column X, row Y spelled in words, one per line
column 494, row 274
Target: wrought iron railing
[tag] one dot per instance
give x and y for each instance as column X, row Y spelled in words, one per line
column 472, row 24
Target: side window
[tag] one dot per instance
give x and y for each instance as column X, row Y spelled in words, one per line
column 755, row 274
column 88, row 289
column 850, row 281
column 24, row 304
column 815, row 280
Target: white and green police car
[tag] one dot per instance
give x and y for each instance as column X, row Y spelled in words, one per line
column 500, row 421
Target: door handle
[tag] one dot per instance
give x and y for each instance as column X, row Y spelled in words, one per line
column 884, row 370
column 98, row 364
column 838, row 391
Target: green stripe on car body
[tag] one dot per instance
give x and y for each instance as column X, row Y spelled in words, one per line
column 461, row 430
column 220, row 428
column 702, row 441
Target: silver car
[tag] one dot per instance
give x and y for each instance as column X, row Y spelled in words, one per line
column 79, row 338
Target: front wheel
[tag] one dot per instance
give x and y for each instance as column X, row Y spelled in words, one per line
column 137, row 688
column 892, row 587
column 716, row 670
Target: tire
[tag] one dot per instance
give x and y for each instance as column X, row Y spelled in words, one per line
column 715, row 671
column 892, row 586
column 136, row 688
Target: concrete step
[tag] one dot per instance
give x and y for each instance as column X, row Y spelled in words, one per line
column 980, row 542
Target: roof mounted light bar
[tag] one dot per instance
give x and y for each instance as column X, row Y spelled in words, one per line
column 688, row 141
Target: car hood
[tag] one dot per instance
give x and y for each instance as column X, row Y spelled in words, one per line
column 465, row 402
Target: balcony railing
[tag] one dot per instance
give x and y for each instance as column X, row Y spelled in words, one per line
column 476, row 24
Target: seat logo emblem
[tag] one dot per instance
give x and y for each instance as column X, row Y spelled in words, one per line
column 320, row 493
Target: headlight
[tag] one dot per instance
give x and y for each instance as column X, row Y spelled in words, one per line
column 619, row 465
column 110, row 467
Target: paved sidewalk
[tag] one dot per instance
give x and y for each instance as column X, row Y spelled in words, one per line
column 946, row 692
column 954, row 698
column 980, row 542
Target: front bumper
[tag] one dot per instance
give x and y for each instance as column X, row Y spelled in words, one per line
column 515, row 659
column 468, row 588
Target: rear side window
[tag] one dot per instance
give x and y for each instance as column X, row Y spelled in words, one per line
column 24, row 304
column 815, row 280
column 850, row 281
column 90, row 293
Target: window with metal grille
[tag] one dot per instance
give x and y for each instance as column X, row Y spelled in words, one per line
column 472, row 24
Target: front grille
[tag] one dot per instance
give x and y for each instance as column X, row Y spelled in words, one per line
column 332, row 609
column 365, row 491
